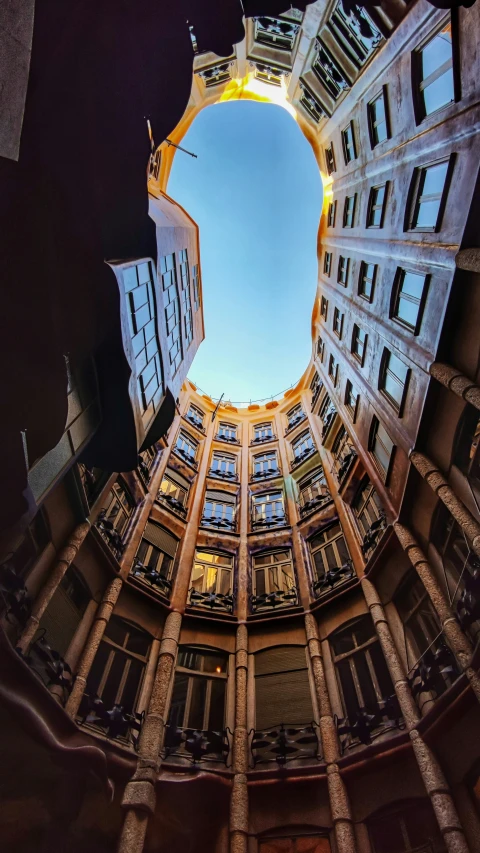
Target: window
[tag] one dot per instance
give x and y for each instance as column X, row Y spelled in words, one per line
column 268, row 509
column 332, row 212
column 199, row 690
column 219, row 510
column 428, row 193
column 348, row 142
column 118, row 509
column 343, row 270
column 376, row 206
column 186, row 446
column 333, row 370
column 262, row 432
column 320, row 348
column 316, row 386
column 172, row 310
column 349, row 211
column 432, row 71
column 212, row 572
column 186, row 298
column 295, row 415
column 324, row 307
column 310, row 102
column 381, row 446
column 343, row 453
column 313, row 489
column 282, row 671
column 359, row 343
column 362, row 675
column 370, row 516
column 330, row 159
column 196, row 286
column 329, row 551
column 393, row 379
column 406, row 827
column 273, row 572
column 408, row 298
column 138, row 281
column 327, row 263
column 174, row 489
column 65, row 610
column 328, row 71
column 227, row 431
column 356, row 34
column 196, row 416
column 351, row 400
column 223, row 465
column 157, row 550
column 302, row 446
column 265, row 464
column 117, row 671
column 378, row 123
column 337, row 322
column 366, row 280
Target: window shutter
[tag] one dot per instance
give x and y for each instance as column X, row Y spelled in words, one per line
column 225, row 497
column 161, row 539
column 177, row 478
column 282, row 687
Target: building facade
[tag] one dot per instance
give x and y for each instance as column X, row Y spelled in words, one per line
column 264, row 638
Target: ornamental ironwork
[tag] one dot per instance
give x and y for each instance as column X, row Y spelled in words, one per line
column 195, row 421
column 224, row 475
column 183, row 454
column 328, row 71
column 436, row 670
column 314, row 503
column 275, row 33
column 212, row 600
column 347, row 463
column 366, row 724
column 284, row 743
column 151, row 577
column 374, row 533
column 217, row 74
column 301, row 457
column 264, row 475
column 172, row 502
column 197, row 745
column 112, row 537
column 14, row 594
column 468, row 605
column 274, row 520
column 272, row 600
column 114, row 722
column 333, row 578
column 259, row 439
column 310, row 103
column 295, row 421
column 217, row 522
column 229, row 438
column 328, row 417
column 48, row 665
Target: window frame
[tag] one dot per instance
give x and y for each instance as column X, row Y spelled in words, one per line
column 350, row 392
column 337, row 322
column 372, row 124
column 415, row 198
column 372, row 439
column 329, row 542
column 220, row 569
column 343, row 269
column 396, row 295
column 362, row 278
column 333, row 370
column 188, row 440
column 327, row 263
column 357, row 357
column 276, row 496
column 267, row 567
column 398, row 406
column 346, row 143
column 330, row 159
column 346, row 211
column 419, row 106
column 373, row 206
column 332, row 213
column 324, row 307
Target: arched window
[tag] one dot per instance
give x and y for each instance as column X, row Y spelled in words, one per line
column 282, row 687
column 265, row 465
column 212, row 573
column 65, row 610
column 405, row 827
column 273, row 579
column 224, row 465
column 199, row 689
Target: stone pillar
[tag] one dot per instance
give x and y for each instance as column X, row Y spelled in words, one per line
column 468, row 259
column 457, row 640
column 239, row 797
column 436, row 481
column 102, row 617
column 139, row 797
column 337, row 791
column 455, row 381
column 44, row 597
column 435, row 783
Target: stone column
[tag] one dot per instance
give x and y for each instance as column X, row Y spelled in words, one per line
column 457, row 640
column 456, row 382
column 139, row 797
column 468, row 259
column 436, row 481
column 44, row 597
column 435, row 783
column 102, row 617
column 239, row 797
column 337, row 791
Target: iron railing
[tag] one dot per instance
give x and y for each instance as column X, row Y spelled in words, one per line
column 334, row 578
column 212, row 600
column 285, row 742
column 172, row 502
column 366, row 724
column 272, row 600
column 111, row 536
column 218, row 523
column 301, row 457
column 49, row 666
column 197, row 745
column 151, row 577
column 115, row 723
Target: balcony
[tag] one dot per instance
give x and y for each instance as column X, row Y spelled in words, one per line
column 468, row 606
column 307, row 507
column 262, row 439
column 373, row 535
column 196, row 422
column 310, row 103
column 212, row 600
column 144, row 471
column 114, row 723
column 218, row 523
column 328, row 418
column 332, row 579
column 266, row 522
column 366, row 724
column 111, row 536
column 268, row 74
column 151, row 577
column 302, row 457
column 275, row 33
column 433, row 673
column 196, row 745
column 49, row 666
column 316, row 394
column 186, row 457
column 285, row 743
column 269, row 474
column 272, row 600
column 295, row 422
column 172, row 503
column 228, row 439
column 216, row 75
column 346, row 463
column 229, row 476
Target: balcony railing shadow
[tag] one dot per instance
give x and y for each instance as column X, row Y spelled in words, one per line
column 275, row 599
column 367, row 724
column 227, row 439
column 186, row 457
column 197, row 745
column 212, row 600
column 301, row 457
column 285, row 742
column 315, row 503
column 262, row 439
column 265, row 475
column 229, row 476
column 335, row 577
column 151, row 577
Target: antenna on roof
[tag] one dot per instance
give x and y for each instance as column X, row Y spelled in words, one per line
column 216, row 407
column 169, row 142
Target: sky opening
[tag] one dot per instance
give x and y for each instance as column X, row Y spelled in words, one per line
column 256, row 193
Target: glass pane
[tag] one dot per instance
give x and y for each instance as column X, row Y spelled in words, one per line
column 197, row 703
column 198, row 575
column 109, row 692
column 97, row 669
column 116, row 631
column 225, row 582
column 217, row 705
column 397, row 367
column 436, row 52
column 260, row 583
column 412, row 284
column 179, row 698
column 130, row 690
column 351, row 703
column 381, row 670
column 212, row 662
column 439, row 93
column 408, row 312
column 366, row 683
column 434, row 179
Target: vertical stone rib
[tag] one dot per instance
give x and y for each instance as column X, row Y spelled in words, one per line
column 44, row 597
column 239, row 796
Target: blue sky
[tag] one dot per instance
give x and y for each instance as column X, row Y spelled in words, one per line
column 255, row 192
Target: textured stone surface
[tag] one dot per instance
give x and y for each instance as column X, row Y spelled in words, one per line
column 133, row 832
column 468, row 259
column 16, row 27
column 239, row 804
column 139, row 795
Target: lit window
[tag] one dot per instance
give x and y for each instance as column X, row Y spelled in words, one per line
column 366, row 280
column 272, row 573
column 172, row 310
column 223, row 465
column 351, row 399
column 348, row 142
column 408, row 298
column 186, row 298
column 324, row 307
column 337, row 322
column 428, row 193
column 268, row 509
column 186, row 446
column 327, row 263
column 349, row 211
column 156, row 554
column 212, row 572
column 219, row 510
column 195, row 416
column 433, row 70
column 378, row 123
column 330, row 158
column 359, row 343
column 199, row 691
column 174, row 490
column 381, row 446
column 262, row 432
column 332, row 212
column 329, row 551
column 343, row 270
column 393, row 379
column 265, row 464
column 376, row 206
column 333, row 370
column 196, row 286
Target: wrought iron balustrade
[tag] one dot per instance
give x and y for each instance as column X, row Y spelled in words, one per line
column 316, row 394
column 218, row 523
column 301, row 457
column 14, row 594
column 151, row 577
column 327, row 420
column 346, row 463
column 284, row 743
column 264, row 475
column 434, row 672
column 212, row 600
column 374, row 534
column 312, row 106
column 114, row 722
column 263, row 438
column 275, row 33
column 366, row 724
column 314, row 503
column 91, row 483
column 48, row 665
column 468, row 605
column 335, row 577
column 144, row 470
column 172, row 502
column 275, row 520
column 196, row 745
column 228, row 438
column 185, row 456
column 112, row 537
column 272, row 600
column 196, row 422
column 224, row 475
column 295, row 422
